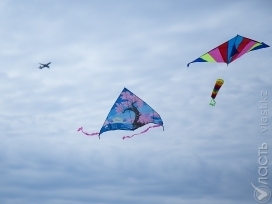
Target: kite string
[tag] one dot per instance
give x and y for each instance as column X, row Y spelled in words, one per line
column 224, row 71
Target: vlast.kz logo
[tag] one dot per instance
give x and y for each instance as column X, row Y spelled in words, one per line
column 262, row 194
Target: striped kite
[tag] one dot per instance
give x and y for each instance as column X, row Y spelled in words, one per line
column 227, row 53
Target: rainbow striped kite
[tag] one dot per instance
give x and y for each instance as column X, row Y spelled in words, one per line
column 227, row 53
column 230, row 50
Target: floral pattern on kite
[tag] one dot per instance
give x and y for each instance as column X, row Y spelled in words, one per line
column 129, row 112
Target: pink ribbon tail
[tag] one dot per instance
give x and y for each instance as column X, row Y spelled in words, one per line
column 88, row 134
column 154, row 126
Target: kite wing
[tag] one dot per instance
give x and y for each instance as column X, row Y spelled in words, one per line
column 230, row 50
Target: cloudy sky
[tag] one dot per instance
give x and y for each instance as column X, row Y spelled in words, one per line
column 204, row 155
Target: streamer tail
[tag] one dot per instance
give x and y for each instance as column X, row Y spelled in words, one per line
column 88, row 134
column 154, row 126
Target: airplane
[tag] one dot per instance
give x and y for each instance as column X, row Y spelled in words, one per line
column 44, row 65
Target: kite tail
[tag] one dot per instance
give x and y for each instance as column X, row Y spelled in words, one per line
column 217, row 86
column 88, row 134
column 154, row 126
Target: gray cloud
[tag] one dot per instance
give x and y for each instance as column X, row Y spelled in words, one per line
column 205, row 154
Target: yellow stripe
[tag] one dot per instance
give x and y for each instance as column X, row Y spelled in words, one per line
column 256, row 45
column 220, row 82
column 207, row 57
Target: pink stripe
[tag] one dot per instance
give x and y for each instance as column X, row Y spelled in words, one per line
column 216, row 55
column 246, row 49
column 88, row 134
column 154, row 126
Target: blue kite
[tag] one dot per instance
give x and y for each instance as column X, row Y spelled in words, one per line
column 129, row 112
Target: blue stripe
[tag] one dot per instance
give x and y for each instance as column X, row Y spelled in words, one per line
column 238, row 40
column 230, row 47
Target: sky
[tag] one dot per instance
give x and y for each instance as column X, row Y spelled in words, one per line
column 96, row 48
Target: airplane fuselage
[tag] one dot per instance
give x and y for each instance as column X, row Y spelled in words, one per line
column 44, row 65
